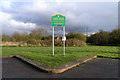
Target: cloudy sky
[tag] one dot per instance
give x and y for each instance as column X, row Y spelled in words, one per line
column 24, row 16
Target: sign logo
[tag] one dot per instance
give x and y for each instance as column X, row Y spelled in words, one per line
column 58, row 21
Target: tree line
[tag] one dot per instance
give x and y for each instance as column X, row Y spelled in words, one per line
column 40, row 37
column 37, row 35
column 105, row 38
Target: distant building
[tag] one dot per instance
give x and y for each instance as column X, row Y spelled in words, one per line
column 89, row 33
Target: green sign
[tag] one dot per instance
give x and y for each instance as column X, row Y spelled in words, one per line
column 58, row 21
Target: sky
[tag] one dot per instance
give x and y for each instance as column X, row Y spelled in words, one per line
column 27, row 15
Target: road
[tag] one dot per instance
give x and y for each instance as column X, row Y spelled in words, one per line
column 97, row 68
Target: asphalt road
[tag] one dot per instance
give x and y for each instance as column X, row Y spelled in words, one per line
column 97, row 68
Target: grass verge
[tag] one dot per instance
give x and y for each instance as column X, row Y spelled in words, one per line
column 44, row 54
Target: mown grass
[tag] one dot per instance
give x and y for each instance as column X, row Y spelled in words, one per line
column 44, row 54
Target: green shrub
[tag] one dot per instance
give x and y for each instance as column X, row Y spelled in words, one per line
column 76, row 35
column 105, row 38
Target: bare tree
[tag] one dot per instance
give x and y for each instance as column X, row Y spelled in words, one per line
column 16, row 36
column 24, row 36
column 38, row 33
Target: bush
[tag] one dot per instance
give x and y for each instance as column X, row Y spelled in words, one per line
column 32, row 41
column 45, row 42
column 39, row 42
column 47, row 37
column 69, row 42
column 114, row 37
column 105, row 38
column 5, row 38
column 76, row 35
column 58, row 43
column 74, row 42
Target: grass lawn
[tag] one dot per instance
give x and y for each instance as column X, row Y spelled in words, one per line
column 44, row 54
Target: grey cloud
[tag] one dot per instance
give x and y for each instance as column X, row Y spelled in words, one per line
column 95, row 16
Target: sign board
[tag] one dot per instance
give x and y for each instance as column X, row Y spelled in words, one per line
column 58, row 21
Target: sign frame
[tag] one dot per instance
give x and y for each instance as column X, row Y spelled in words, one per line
column 59, row 19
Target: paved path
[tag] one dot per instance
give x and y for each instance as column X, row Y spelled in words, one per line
column 97, row 68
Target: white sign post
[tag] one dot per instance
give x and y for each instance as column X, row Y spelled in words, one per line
column 53, row 41
column 63, row 39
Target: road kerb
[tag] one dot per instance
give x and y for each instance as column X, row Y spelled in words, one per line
column 8, row 56
column 58, row 69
